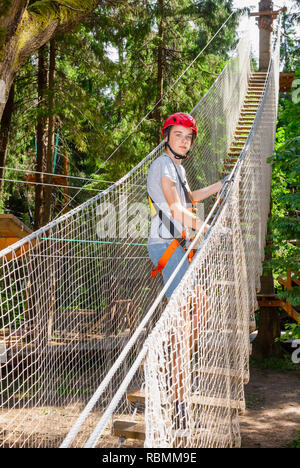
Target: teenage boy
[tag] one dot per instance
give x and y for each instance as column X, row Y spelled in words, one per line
column 171, row 197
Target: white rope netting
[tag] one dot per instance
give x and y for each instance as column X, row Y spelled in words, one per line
column 198, row 353
column 78, row 301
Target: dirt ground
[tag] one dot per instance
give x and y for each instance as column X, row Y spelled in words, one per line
column 272, row 416
column 271, row 420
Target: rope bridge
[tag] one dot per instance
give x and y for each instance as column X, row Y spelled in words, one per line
column 83, row 325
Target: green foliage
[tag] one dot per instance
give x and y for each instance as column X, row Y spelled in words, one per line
column 60, row 9
column 292, row 330
column 289, row 50
column 106, row 82
column 296, row 442
column 279, row 364
column 284, row 222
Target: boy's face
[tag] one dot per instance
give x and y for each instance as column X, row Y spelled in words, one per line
column 180, row 139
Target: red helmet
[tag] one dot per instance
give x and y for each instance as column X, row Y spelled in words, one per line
column 186, row 120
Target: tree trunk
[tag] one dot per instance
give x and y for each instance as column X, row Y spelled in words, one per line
column 265, row 23
column 264, row 345
column 40, row 131
column 51, row 137
column 160, row 68
column 65, row 172
column 4, row 133
column 23, row 33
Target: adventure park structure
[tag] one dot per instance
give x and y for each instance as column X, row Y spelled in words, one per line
column 91, row 353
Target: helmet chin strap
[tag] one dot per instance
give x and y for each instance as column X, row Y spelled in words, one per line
column 176, row 155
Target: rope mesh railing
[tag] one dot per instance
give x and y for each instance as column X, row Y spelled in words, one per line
column 74, row 293
column 198, row 353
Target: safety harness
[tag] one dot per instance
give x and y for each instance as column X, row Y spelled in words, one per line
column 180, row 238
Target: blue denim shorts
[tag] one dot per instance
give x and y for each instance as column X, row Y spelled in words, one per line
column 155, row 252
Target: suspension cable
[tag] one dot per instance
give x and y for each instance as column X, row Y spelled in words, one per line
column 162, row 97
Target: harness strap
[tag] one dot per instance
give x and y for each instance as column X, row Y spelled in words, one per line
column 165, row 257
column 168, row 223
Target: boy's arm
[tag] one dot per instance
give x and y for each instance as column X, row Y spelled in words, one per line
column 178, row 211
column 206, row 192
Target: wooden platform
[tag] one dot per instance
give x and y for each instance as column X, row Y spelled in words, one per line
column 11, row 230
column 17, row 350
column 285, row 81
column 272, row 300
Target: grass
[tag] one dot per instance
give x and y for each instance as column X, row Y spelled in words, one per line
column 295, row 443
column 279, row 364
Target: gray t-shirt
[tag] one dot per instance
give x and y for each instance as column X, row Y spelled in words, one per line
column 163, row 166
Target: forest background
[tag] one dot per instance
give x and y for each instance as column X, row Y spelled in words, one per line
column 92, row 74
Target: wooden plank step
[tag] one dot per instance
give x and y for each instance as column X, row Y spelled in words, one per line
column 225, row 371
column 129, row 429
column 216, row 438
column 250, row 102
column 138, row 396
column 137, row 430
column 232, row 148
column 231, row 161
column 201, row 400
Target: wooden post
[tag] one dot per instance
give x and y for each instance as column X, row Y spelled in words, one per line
column 265, row 24
column 65, row 172
column 160, row 67
column 48, row 190
column 265, row 17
